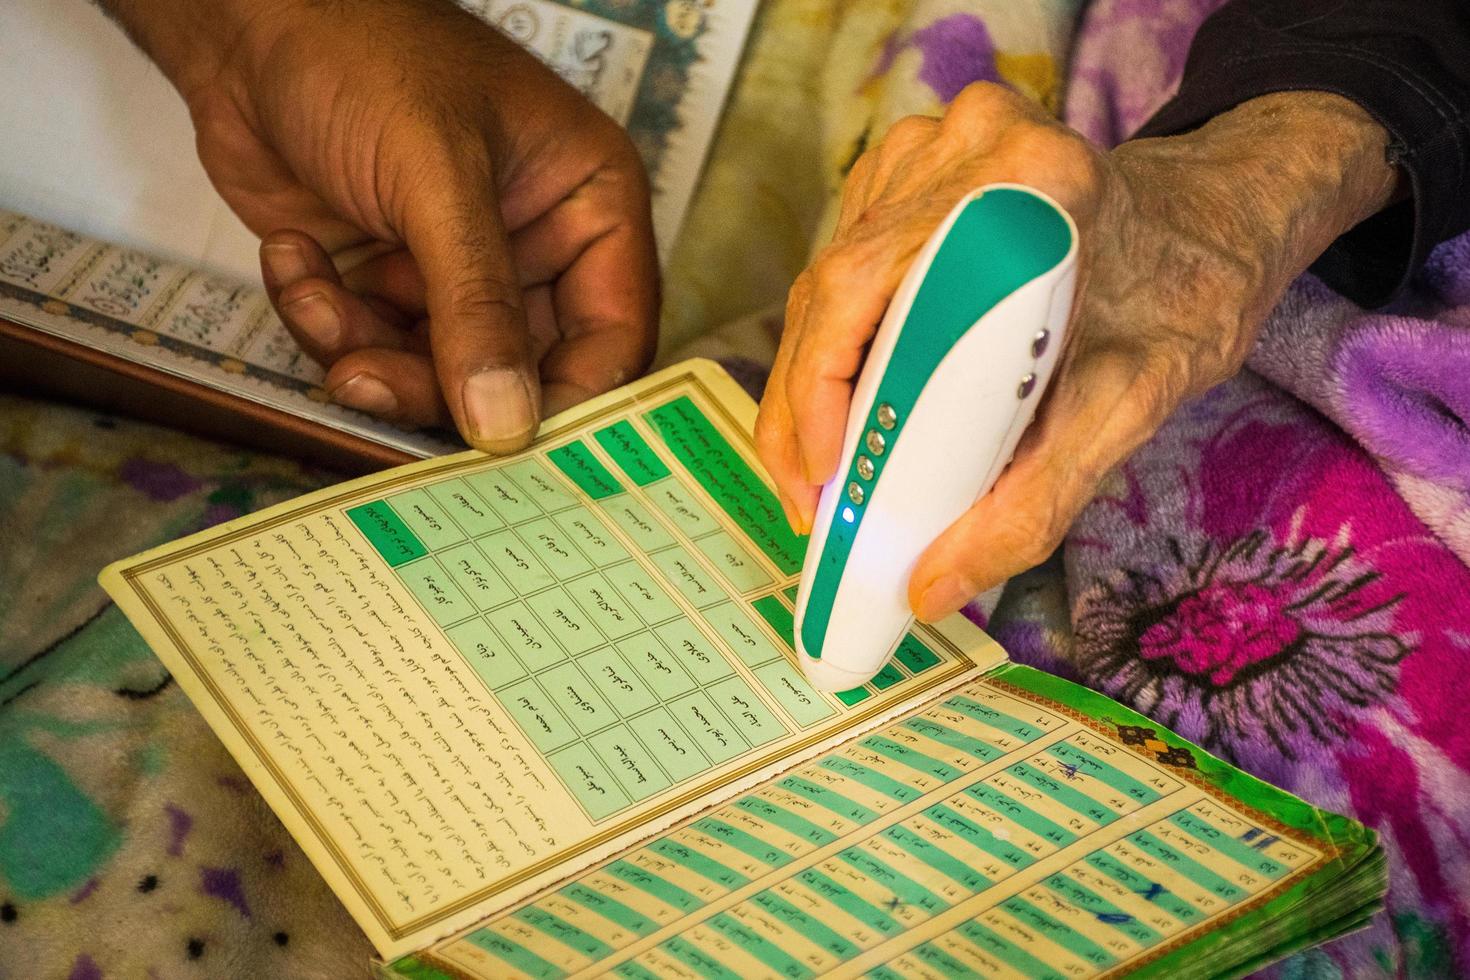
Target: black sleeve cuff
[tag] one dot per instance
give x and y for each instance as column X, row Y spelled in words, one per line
column 1242, row 59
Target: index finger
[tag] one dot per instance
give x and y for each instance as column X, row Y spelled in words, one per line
column 607, row 296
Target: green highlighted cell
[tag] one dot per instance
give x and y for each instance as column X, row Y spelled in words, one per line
column 426, row 519
column 1100, row 908
column 774, row 612
column 944, row 735
column 703, row 963
column 828, row 798
column 982, row 838
column 741, row 635
column 914, row 655
column 700, row 657
column 1039, row 825
column 746, row 711
column 675, row 751
column 729, row 480
column 634, row 520
column 852, row 696
column 591, row 536
column 568, row 624
column 486, row 653
column 648, row 882
column 697, row 861
column 688, row 577
column 524, row 635
column 792, row 692
column 589, row 780
column 497, row 489
column 853, row 905
column 757, row 945
column 563, row 931
column 809, row 926
column 515, row 955
column 658, row 667
column 678, row 504
column 476, row 576
column 910, row 756
column 634, row 766
column 613, row 616
column 782, row 817
column 735, row 564
column 1232, row 847
column 644, row 592
column 537, row 716
column 930, row 853
column 1077, row 760
column 465, row 507
column 609, row 908
column 995, row 945
column 905, row 890
column 387, row 533
column 585, row 470
column 703, row 722
column 1068, row 796
column 742, row 841
column 985, row 714
column 434, row 590
column 1058, row 932
column 633, row 455
column 1184, row 864
column 887, row 677
column 568, row 688
column 532, row 476
column 515, row 562
column 871, row 778
column 1142, row 885
column 619, row 683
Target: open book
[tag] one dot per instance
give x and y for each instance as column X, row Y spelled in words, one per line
column 539, row 715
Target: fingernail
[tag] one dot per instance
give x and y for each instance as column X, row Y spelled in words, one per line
column 316, row 317
column 366, row 394
column 499, row 410
column 285, row 262
column 944, row 596
column 808, row 516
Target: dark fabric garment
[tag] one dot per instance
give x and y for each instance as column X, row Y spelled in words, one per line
column 1407, row 62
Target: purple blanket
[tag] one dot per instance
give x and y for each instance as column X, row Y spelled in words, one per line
column 1281, row 573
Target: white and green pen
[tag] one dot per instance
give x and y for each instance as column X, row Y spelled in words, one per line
column 952, row 379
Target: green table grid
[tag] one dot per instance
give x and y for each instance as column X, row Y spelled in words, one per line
column 507, row 670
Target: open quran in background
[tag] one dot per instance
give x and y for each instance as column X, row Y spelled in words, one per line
column 540, row 716
column 121, row 328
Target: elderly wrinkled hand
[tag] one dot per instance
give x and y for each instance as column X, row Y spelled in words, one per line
column 452, row 230
column 1187, row 243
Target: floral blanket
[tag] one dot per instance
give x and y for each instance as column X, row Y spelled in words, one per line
column 1279, row 575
